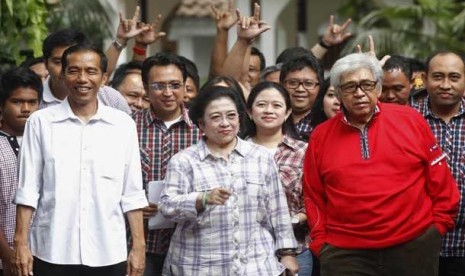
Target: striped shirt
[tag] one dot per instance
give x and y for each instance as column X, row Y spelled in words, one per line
column 238, row 238
column 451, row 138
column 8, row 185
column 157, row 145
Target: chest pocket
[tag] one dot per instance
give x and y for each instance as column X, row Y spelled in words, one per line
column 256, row 197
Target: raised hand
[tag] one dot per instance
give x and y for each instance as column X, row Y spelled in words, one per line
column 150, row 32
column 248, row 28
column 127, row 28
column 224, row 19
column 372, row 51
column 336, row 34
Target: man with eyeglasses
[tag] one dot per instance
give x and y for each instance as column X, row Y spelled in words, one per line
column 302, row 77
column 164, row 129
column 377, row 189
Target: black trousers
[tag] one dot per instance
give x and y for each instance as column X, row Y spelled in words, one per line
column 451, row 266
column 419, row 257
column 42, row 268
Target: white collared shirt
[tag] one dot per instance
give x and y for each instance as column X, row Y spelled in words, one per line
column 81, row 179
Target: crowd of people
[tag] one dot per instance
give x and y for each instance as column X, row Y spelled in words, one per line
column 264, row 170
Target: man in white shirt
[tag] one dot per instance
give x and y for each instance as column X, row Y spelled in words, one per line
column 80, row 171
column 54, row 89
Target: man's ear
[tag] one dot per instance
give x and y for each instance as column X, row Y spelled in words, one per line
column 104, row 78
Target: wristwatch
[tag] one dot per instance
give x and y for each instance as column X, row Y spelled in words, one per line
column 118, row 45
column 295, row 219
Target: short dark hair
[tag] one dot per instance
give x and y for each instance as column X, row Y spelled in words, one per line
column 84, row 48
column 236, row 88
column 299, row 63
column 211, row 93
column 416, row 65
column 255, row 52
column 291, row 53
column 16, row 78
column 398, row 62
column 191, row 70
column 122, row 71
column 162, row 59
column 62, row 38
column 441, row 53
column 32, row 61
column 288, row 127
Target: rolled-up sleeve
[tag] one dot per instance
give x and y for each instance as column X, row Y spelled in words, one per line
column 31, row 166
column 133, row 195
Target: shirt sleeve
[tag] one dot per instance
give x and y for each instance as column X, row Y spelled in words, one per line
column 278, row 209
column 440, row 183
column 314, row 200
column 178, row 199
column 133, row 194
column 31, row 166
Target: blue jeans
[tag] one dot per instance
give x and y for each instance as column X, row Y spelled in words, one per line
column 305, row 263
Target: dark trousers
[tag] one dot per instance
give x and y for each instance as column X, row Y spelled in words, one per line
column 451, row 266
column 419, row 257
column 42, row 268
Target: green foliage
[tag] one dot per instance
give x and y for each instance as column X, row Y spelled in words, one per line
column 414, row 30
column 22, row 27
column 89, row 16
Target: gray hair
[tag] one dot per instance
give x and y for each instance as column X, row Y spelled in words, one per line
column 268, row 70
column 352, row 63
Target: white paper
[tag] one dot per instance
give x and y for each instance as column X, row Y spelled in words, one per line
column 158, row 221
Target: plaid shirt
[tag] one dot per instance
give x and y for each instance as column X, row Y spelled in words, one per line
column 157, row 145
column 304, row 127
column 238, row 238
column 8, row 185
column 451, row 138
column 290, row 158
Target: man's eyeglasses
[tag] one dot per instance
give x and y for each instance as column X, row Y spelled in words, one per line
column 351, row 87
column 307, row 84
column 159, row 86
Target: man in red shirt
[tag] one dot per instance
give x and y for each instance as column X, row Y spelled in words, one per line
column 377, row 189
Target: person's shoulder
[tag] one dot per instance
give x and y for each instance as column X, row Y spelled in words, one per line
column 116, row 115
column 397, row 111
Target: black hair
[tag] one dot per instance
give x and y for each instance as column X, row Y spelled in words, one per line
column 299, row 63
column 317, row 114
column 32, row 61
column 255, row 52
column 84, row 48
column 416, row 65
column 192, row 71
column 209, row 94
column 230, row 82
column 440, row 53
column 235, row 86
column 162, row 59
column 17, row 78
column 291, row 53
column 398, row 62
column 288, row 127
column 62, row 38
column 122, row 71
